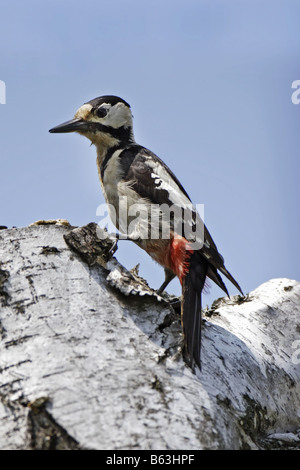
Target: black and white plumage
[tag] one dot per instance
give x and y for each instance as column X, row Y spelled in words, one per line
column 132, row 175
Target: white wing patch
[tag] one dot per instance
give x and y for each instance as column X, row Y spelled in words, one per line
column 164, row 181
column 194, row 229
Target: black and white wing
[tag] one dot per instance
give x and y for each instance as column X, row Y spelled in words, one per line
column 153, row 181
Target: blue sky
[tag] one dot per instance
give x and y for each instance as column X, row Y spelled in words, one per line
column 209, row 83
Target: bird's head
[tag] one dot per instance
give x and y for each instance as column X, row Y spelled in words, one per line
column 106, row 121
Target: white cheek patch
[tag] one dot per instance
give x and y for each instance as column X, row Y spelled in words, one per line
column 119, row 115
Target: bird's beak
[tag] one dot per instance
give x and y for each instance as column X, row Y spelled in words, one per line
column 75, row 125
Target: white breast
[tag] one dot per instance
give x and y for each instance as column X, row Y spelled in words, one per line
column 111, row 178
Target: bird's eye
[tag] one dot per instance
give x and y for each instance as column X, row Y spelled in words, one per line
column 101, row 112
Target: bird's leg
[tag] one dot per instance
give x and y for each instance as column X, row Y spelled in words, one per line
column 121, row 236
column 113, row 248
column 169, row 275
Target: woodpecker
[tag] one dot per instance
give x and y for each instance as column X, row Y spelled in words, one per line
column 133, row 176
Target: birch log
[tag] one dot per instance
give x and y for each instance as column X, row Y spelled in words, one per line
column 90, row 356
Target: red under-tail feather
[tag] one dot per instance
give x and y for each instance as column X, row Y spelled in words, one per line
column 191, row 269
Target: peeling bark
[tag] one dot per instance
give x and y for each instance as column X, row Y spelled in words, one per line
column 90, row 355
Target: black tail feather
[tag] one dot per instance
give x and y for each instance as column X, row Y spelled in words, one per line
column 231, row 278
column 192, row 286
column 213, row 274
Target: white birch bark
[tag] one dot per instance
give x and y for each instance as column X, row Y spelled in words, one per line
column 84, row 366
